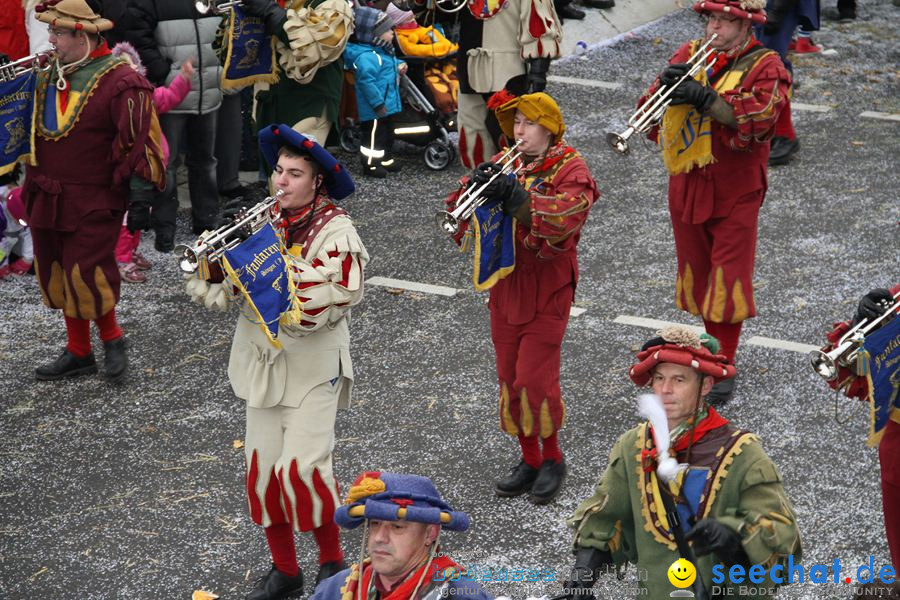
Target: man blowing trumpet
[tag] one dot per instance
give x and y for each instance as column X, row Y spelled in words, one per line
column 715, row 141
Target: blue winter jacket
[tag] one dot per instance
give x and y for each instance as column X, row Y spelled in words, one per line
column 376, row 79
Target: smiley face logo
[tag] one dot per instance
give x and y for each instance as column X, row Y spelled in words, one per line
column 682, row 573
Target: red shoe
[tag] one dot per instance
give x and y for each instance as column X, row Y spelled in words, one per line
column 792, row 45
column 5, row 271
column 20, row 267
column 142, row 263
column 806, row 46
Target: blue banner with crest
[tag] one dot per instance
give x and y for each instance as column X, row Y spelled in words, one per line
column 257, row 268
column 250, row 57
column 495, row 245
column 881, row 355
column 16, row 121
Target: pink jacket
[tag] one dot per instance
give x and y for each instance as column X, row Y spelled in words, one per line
column 167, row 98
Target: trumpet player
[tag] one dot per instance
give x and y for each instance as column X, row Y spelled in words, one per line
column 884, row 429
column 293, row 393
column 97, row 144
column 715, row 142
column 549, row 197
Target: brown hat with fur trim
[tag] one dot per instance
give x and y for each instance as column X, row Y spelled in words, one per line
column 754, row 10
column 71, row 14
column 682, row 346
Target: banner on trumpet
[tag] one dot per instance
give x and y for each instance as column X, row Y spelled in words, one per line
column 250, row 52
column 495, row 245
column 257, row 268
column 17, row 119
column 880, row 359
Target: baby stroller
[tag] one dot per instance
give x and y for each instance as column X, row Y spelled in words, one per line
column 419, row 123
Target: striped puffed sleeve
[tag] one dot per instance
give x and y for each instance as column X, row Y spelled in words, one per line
column 560, row 208
column 757, row 103
column 316, row 37
column 329, row 280
column 540, row 32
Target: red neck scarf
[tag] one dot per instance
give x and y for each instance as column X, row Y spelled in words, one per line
column 296, row 223
column 713, row 420
column 719, row 61
column 404, row 590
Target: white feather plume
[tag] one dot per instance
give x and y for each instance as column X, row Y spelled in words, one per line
column 651, row 408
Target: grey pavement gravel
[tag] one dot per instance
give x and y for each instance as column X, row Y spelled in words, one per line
column 135, row 491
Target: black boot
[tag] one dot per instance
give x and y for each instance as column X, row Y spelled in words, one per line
column 328, row 569
column 276, row 585
column 549, row 481
column 604, row 4
column 783, row 150
column 721, row 392
column 115, row 360
column 67, row 365
column 391, row 165
column 570, row 12
column 520, row 479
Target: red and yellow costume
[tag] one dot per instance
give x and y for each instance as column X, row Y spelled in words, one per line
column 887, row 440
column 530, row 306
column 714, row 200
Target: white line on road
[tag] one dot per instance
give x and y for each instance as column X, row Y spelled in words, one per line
column 574, row 311
column 871, row 114
column 756, row 340
column 609, row 85
column 810, row 107
column 412, row 286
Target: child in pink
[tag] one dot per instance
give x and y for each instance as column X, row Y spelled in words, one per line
column 131, row 263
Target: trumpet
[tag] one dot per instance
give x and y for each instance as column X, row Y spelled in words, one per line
column 216, row 6
column 213, row 244
column 846, row 350
column 651, row 112
column 41, row 61
column 472, row 198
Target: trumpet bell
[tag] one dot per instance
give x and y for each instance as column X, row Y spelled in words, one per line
column 617, row 142
column 823, row 365
column 187, row 258
column 447, row 222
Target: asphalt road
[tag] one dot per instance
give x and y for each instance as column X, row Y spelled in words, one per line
column 136, row 491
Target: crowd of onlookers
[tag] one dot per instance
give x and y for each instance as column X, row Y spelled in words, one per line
column 180, row 51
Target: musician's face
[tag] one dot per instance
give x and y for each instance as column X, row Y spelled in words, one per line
column 678, row 386
column 396, row 547
column 535, row 139
column 297, row 177
column 70, row 45
column 731, row 30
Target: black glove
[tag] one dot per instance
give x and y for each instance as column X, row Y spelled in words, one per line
column 691, row 91
column 4, row 58
column 873, row 304
column 267, row 10
column 709, row 535
column 507, row 190
column 235, row 206
column 484, row 172
column 585, row 573
column 537, row 74
column 139, row 202
column 673, row 73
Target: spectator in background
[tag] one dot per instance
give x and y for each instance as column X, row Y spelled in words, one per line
column 782, row 19
column 371, row 58
column 844, row 11
column 167, row 33
column 13, row 34
column 15, row 237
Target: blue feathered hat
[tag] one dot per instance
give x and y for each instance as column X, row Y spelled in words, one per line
column 393, row 497
column 337, row 180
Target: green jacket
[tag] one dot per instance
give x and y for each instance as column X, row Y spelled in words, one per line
column 742, row 490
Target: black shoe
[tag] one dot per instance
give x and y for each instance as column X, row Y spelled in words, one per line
column 570, row 12
column 391, row 165
column 783, row 150
column 721, row 392
column 329, row 569
column 115, row 360
column 833, row 14
column 164, row 243
column 67, row 365
column 235, row 192
column 549, row 481
column 376, row 171
column 276, row 585
column 604, row 4
column 519, row 481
